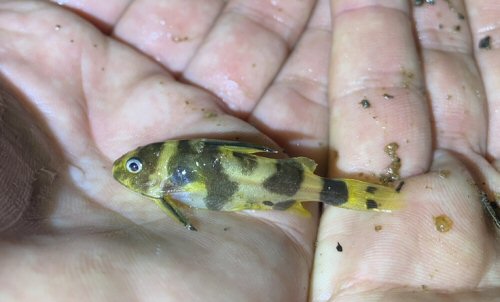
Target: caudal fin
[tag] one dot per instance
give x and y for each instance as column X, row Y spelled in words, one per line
column 359, row 195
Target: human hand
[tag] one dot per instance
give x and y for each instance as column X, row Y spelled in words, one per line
column 444, row 118
column 95, row 98
column 109, row 242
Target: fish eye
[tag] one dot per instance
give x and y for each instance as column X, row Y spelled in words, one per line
column 134, row 165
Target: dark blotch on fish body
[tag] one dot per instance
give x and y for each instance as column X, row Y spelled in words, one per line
column 334, row 192
column 248, row 163
column 371, row 204
column 149, row 157
column 268, row 203
column 219, row 187
column 371, row 189
column 287, row 179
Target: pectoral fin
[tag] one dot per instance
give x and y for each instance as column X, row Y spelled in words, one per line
column 169, row 206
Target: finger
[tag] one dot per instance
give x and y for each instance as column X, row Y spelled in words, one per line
column 245, row 49
column 374, row 59
column 169, row 31
column 163, row 30
column 455, row 87
column 453, row 81
column 483, row 17
column 293, row 111
column 483, row 20
column 103, row 14
column 435, row 241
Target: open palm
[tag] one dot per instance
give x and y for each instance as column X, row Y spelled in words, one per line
column 104, row 78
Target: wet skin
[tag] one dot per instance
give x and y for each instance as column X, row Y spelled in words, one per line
column 103, row 84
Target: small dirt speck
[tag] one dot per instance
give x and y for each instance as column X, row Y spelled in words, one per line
column 492, row 207
column 408, row 77
column 365, row 103
column 457, row 27
column 178, row 39
column 388, row 96
column 339, row 247
column 392, row 172
column 378, row 228
column 443, row 223
column 485, row 43
column 444, row 173
column 210, row 114
column 399, row 186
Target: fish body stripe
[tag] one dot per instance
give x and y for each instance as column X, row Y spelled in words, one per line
column 202, row 163
column 371, row 204
column 287, row 179
column 248, row 163
column 150, row 160
column 334, row 192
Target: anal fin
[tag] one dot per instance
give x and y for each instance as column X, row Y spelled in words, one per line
column 293, row 206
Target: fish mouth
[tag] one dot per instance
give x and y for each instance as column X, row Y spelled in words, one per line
column 115, row 170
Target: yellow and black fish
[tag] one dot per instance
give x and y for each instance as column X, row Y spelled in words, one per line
column 229, row 176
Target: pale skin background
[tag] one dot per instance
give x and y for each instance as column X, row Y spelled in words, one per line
column 119, row 74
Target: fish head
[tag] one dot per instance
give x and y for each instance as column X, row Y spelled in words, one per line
column 141, row 170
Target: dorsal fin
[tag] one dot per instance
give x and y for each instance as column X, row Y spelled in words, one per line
column 236, row 146
column 307, row 163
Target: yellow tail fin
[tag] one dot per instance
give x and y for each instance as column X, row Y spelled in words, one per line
column 365, row 196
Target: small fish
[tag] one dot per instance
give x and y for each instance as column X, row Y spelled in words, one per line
column 230, row 176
